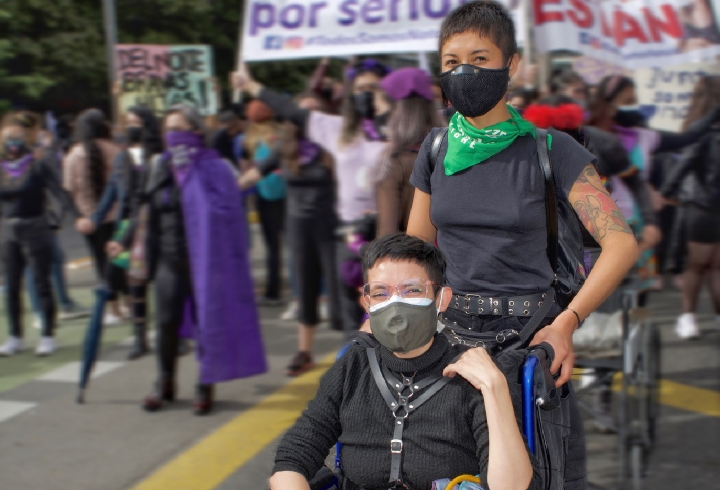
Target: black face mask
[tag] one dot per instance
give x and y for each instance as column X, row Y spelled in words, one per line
column 364, row 105
column 14, row 148
column 629, row 117
column 474, row 91
column 133, row 134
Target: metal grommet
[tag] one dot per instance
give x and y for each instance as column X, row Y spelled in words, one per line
column 511, row 311
column 527, row 303
column 543, row 296
column 495, row 303
column 526, row 312
column 482, row 301
column 495, row 311
column 511, row 303
column 482, row 310
column 540, row 303
column 457, row 304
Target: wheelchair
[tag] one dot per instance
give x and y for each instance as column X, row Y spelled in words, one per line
column 634, row 374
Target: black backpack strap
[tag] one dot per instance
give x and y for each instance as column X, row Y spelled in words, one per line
column 436, row 147
column 551, row 211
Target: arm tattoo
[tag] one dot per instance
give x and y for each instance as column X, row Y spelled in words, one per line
column 596, row 209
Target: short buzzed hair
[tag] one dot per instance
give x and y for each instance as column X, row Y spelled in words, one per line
column 486, row 18
column 402, row 247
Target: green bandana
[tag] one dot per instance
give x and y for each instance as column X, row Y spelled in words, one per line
column 468, row 146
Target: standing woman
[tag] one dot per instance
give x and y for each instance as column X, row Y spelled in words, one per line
column 188, row 236
column 86, row 172
column 484, row 203
column 701, row 209
column 261, row 135
column 355, row 141
column 26, row 237
column 615, row 109
column 130, row 169
column 310, row 225
column 413, row 117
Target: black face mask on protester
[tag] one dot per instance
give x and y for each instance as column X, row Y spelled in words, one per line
column 14, row 148
column 474, row 91
column 364, row 104
column 629, row 117
column 133, row 134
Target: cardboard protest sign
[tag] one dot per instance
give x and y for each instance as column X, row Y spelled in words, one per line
column 283, row 29
column 159, row 76
column 665, row 94
column 631, row 33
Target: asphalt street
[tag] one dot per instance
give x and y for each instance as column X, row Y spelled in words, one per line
column 49, row 442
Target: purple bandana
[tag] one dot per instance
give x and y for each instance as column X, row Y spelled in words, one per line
column 627, row 136
column 18, row 167
column 184, row 149
column 308, row 151
column 370, row 130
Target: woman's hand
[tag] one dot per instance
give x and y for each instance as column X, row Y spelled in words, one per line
column 84, row 226
column 243, row 80
column 478, row 368
column 114, row 249
column 249, row 178
column 559, row 335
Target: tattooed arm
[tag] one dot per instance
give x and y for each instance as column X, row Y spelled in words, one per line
column 602, row 218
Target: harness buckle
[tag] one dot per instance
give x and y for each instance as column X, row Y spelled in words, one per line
column 396, row 446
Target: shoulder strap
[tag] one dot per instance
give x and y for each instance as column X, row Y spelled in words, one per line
column 551, row 214
column 436, row 146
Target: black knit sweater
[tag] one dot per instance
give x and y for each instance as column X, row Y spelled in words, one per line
column 444, row 438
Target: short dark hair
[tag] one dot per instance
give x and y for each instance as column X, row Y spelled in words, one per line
column 564, row 77
column 405, row 247
column 486, row 18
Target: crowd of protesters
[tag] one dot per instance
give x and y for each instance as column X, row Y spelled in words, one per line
column 166, row 201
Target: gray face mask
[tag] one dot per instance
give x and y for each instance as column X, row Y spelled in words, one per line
column 403, row 325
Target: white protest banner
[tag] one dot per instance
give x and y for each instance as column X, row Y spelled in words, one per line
column 285, row 29
column 665, row 94
column 593, row 70
column 631, row 33
column 158, row 76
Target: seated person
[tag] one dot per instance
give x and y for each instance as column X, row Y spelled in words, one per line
column 468, row 427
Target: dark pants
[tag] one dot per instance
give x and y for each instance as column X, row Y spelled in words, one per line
column 173, row 287
column 272, row 219
column 351, row 310
column 564, row 430
column 27, row 243
column 113, row 276
column 312, row 246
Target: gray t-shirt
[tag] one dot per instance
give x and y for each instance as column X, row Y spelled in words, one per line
column 490, row 218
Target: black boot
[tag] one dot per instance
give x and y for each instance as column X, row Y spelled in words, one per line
column 203, row 399
column 164, row 392
column 140, row 346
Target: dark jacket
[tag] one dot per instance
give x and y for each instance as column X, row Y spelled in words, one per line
column 700, row 163
column 126, row 179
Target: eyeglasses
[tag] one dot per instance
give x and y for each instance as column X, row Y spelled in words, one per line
column 376, row 292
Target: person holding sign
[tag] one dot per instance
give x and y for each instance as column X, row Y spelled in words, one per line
column 483, row 200
column 355, row 140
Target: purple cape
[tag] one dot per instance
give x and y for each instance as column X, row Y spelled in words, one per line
column 229, row 342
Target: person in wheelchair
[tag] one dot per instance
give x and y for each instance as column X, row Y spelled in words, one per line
column 406, row 406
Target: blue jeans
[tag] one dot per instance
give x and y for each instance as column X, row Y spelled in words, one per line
column 58, row 280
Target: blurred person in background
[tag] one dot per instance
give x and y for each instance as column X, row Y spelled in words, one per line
column 262, row 135
column 327, row 88
column 26, row 237
column 196, row 254
column 225, row 139
column 355, row 140
column 615, row 109
column 86, row 171
column 50, row 147
column 129, row 175
column 311, row 222
column 700, row 165
column 571, row 84
column 413, row 115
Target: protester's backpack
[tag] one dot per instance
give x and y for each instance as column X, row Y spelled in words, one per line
column 271, row 187
column 564, row 236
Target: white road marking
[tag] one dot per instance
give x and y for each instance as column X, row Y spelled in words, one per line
column 10, row 409
column 70, row 373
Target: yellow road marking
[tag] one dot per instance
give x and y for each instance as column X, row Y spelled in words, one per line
column 213, row 459
column 676, row 395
